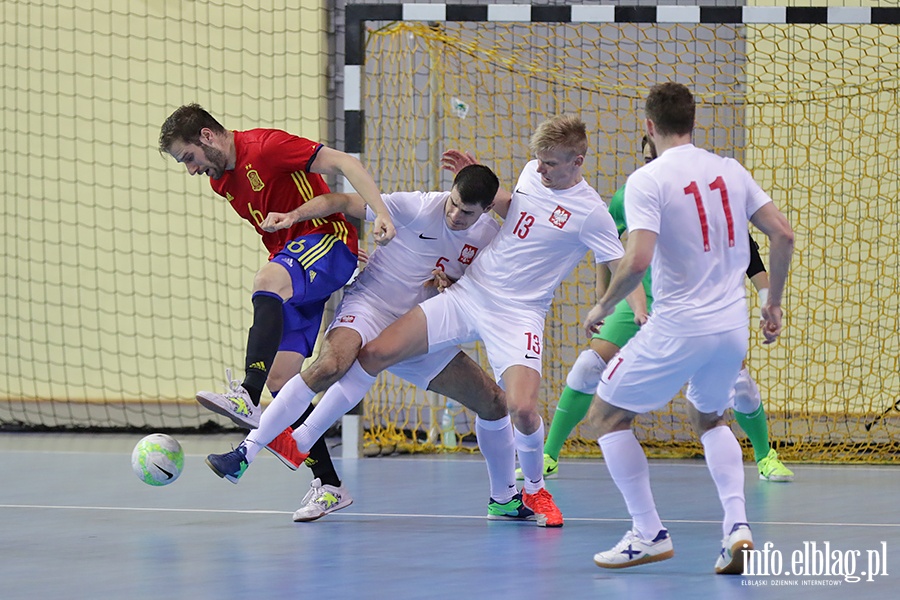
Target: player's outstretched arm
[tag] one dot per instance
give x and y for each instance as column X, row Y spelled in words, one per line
column 454, row 161
column 334, row 162
column 317, row 208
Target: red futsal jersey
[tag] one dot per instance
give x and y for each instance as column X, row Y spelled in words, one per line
column 271, row 174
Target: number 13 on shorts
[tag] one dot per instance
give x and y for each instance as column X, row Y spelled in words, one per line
column 532, row 345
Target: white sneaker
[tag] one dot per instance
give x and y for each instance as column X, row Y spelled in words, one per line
column 731, row 557
column 235, row 403
column 321, row 500
column 632, row 550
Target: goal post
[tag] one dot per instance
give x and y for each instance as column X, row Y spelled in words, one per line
column 806, row 97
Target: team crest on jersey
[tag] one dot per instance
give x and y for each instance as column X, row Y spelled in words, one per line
column 256, row 182
column 347, row 319
column 560, row 217
column 467, row 254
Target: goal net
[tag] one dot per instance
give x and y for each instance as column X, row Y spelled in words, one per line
column 811, row 110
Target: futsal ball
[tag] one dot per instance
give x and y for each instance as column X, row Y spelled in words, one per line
column 157, row 459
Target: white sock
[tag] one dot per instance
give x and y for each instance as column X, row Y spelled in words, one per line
column 628, row 466
column 497, row 445
column 287, row 406
column 530, row 449
column 726, row 465
column 342, row 396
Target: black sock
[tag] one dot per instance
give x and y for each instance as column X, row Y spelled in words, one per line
column 262, row 342
column 319, row 460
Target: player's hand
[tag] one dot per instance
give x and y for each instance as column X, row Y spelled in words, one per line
column 771, row 322
column 362, row 258
column 275, row 221
column 440, row 280
column 640, row 319
column 383, row 230
column 454, row 160
column 594, row 319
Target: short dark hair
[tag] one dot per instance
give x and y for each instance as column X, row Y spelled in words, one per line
column 185, row 124
column 671, row 107
column 476, row 184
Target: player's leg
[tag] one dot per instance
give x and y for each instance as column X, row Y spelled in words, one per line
column 576, row 398
column 583, row 378
column 644, row 376
column 332, row 264
column 350, row 389
column 522, row 385
column 648, row 540
column 751, row 416
column 404, row 338
column 271, row 287
column 306, row 272
column 709, row 392
column 339, row 348
column 463, row 380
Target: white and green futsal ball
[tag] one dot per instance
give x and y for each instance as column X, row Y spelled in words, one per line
column 157, row 459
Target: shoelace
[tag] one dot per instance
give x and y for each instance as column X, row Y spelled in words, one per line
column 232, row 385
column 627, row 540
column 542, row 502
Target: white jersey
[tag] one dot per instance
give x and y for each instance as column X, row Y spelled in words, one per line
column 699, row 204
column 396, row 273
column 545, row 235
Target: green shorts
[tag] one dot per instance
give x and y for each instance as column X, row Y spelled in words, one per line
column 619, row 327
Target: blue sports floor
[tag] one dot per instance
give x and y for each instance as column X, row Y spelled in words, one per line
column 76, row 523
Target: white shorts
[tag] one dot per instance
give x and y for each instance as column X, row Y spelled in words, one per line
column 367, row 317
column 511, row 336
column 650, row 370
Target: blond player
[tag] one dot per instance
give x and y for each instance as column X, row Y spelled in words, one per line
column 553, row 219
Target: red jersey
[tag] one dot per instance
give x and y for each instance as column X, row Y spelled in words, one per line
column 271, row 174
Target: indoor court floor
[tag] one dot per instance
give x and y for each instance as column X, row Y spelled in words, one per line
column 76, row 523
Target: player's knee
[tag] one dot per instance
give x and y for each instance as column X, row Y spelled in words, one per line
column 275, row 279
column 585, row 374
column 495, row 407
column 375, row 357
column 746, row 393
column 324, row 371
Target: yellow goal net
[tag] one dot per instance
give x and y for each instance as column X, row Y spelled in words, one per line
column 811, row 110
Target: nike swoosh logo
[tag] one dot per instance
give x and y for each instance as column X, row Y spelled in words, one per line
column 520, row 192
column 529, row 357
column 422, row 236
column 168, row 475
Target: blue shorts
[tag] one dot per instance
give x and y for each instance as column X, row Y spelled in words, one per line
column 319, row 265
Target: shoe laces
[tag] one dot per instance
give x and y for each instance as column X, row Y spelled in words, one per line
column 543, row 502
column 627, row 540
column 233, row 386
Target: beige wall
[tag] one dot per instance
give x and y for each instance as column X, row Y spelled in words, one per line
column 122, row 276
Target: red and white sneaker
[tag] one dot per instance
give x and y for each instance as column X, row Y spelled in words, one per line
column 545, row 511
column 285, row 449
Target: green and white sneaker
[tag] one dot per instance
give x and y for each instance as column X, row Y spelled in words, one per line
column 772, row 469
column 514, row 510
column 551, row 469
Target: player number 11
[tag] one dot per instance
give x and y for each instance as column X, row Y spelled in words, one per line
column 718, row 184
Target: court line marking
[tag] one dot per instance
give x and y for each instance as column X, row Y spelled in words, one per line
column 415, row 515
